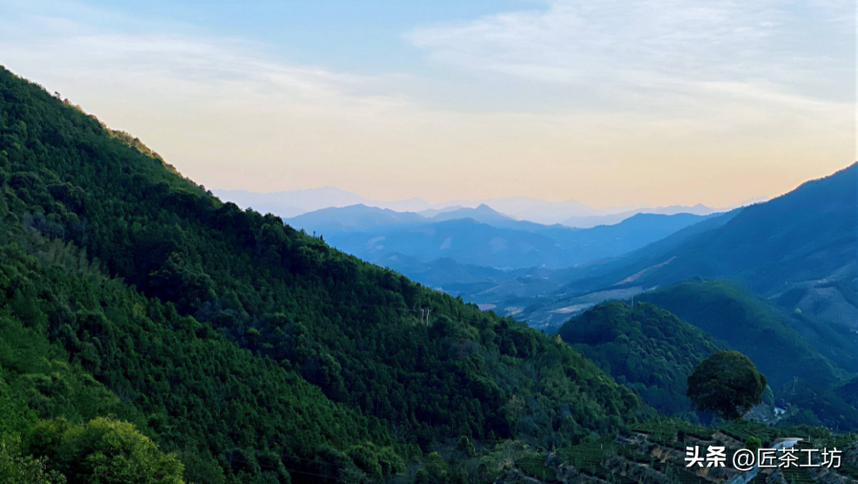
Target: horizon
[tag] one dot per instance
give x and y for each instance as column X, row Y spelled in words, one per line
column 486, row 201
column 663, row 104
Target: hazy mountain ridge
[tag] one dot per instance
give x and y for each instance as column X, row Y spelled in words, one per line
column 289, row 204
column 354, row 218
column 587, row 221
column 800, row 244
column 807, row 234
column 482, row 236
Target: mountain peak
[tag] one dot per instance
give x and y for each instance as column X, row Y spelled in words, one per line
column 482, row 213
column 485, row 208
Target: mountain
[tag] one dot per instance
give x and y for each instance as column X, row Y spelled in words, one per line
column 546, row 298
column 483, row 214
column 587, row 221
column 804, row 236
column 78, row 345
column 464, row 240
column 370, row 219
column 354, row 218
column 791, row 306
column 538, row 210
column 431, row 212
column 644, row 228
column 575, row 214
column 296, row 202
column 645, row 348
column 367, row 219
column 291, row 203
column 570, row 213
column 729, row 313
column 497, row 242
column 139, row 310
column 798, row 249
column 652, row 351
column 820, row 406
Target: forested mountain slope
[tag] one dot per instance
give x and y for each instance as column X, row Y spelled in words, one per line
column 729, row 313
column 797, row 371
column 644, row 347
column 345, row 367
column 78, row 345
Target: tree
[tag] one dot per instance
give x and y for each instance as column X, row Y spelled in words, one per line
column 753, row 443
column 726, row 383
column 103, row 451
column 16, row 468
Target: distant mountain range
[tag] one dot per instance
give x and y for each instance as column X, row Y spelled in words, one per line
column 802, row 239
column 585, row 221
column 354, row 218
column 289, row 204
column 799, row 250
column 481, row 236
column 368, row 219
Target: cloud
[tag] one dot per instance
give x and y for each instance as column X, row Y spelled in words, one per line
column 611, row 47
column 641, row 125
column 181, row 66
column 226, row 111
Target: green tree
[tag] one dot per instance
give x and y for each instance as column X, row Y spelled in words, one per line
column 726, row 383
column 435, row 471
column 16, row 468
column 103, row 451
column 753, row 443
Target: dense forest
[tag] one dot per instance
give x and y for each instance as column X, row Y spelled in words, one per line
column 725, row 311
column 143, row 318
column 798, row 372
column 644, row 347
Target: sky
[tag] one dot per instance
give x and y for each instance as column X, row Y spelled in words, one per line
column 610, row 103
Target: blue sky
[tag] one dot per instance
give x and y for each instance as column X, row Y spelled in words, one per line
column 607, row 102
column 364, row 36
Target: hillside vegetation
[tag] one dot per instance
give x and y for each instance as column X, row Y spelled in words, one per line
column 727, row 312
column 646, row 348
column 797, row 372
column 78, row 345
column 254, row 352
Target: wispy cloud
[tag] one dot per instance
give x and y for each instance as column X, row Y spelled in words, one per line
column 642, row 98
column 603, row 46
column 177, row 63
